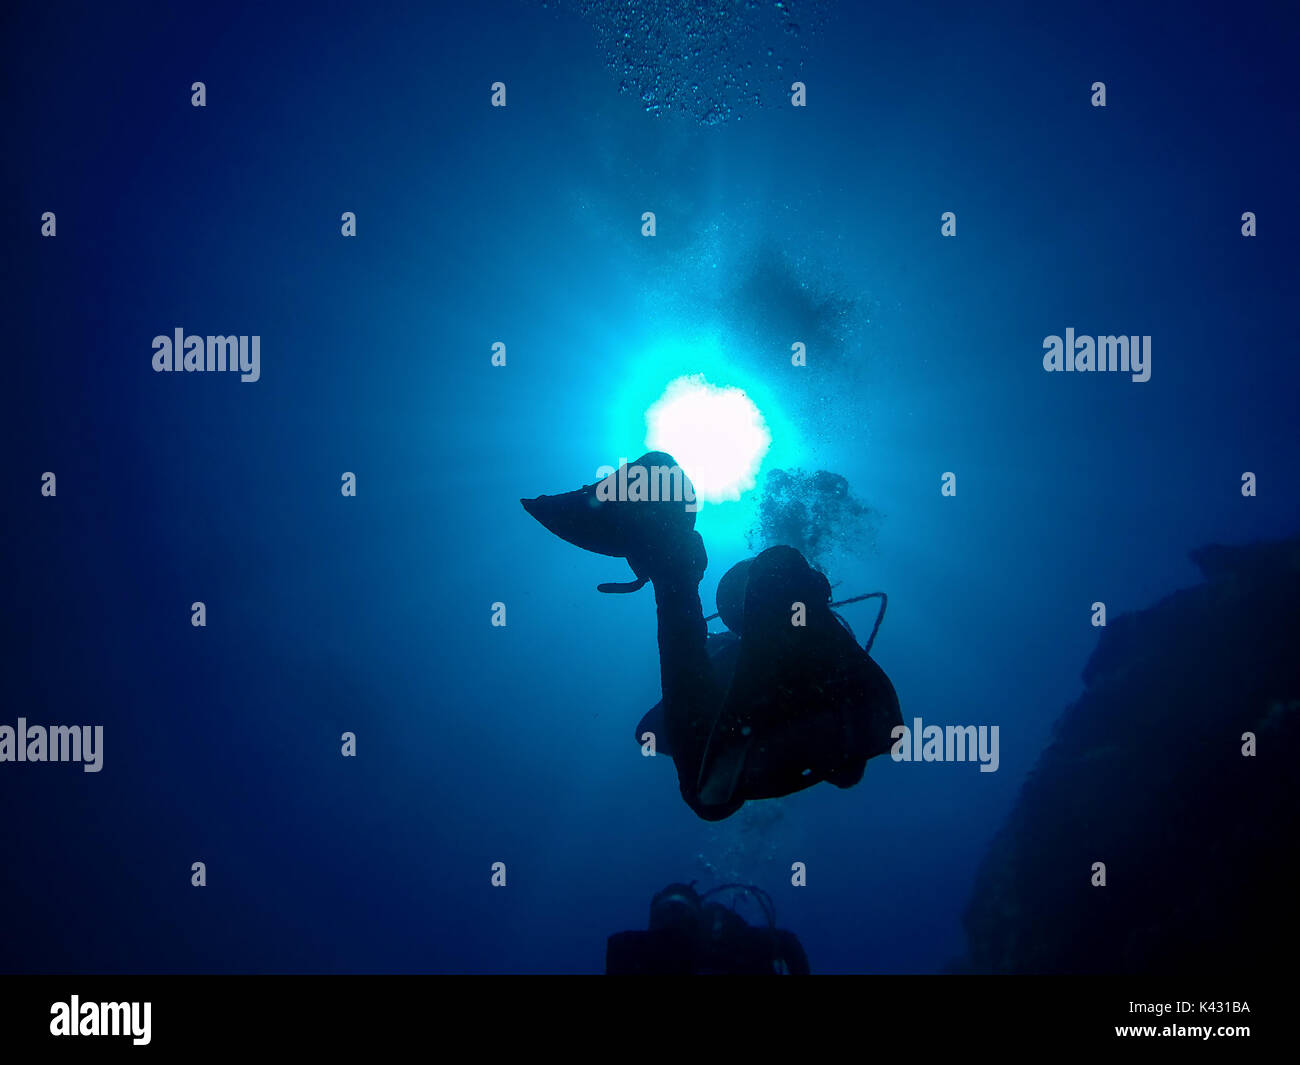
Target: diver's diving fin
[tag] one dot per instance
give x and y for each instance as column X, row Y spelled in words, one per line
column 600, row 518
column 579, row 518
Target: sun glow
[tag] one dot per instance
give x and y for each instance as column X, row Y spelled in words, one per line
column 716, row 434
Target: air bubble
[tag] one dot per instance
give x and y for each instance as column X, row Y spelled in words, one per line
column 680, row 59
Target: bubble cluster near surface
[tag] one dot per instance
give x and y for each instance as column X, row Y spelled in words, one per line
column 711, row 61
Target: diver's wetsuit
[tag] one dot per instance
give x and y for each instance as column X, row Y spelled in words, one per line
column 804, row 704
column 778, row 710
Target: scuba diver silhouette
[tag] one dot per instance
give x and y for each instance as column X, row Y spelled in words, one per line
column 690, row 934
column 786, row 702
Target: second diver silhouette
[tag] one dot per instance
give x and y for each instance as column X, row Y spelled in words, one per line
column 785, row 701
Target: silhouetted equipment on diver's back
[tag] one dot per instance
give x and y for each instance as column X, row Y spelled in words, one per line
column 724, row 647
column 783, row 724
column 731, row 602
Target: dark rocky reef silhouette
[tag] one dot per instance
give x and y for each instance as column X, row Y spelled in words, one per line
column 1146, row 774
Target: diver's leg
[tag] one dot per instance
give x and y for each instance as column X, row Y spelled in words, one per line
column 692, row 696
column 658, row 539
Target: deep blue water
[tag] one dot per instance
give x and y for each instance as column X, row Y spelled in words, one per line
column 478, row 744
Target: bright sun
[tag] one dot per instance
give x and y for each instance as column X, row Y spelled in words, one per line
column 716, row 434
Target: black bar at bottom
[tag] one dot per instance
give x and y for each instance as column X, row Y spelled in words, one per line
column 388, row 1015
